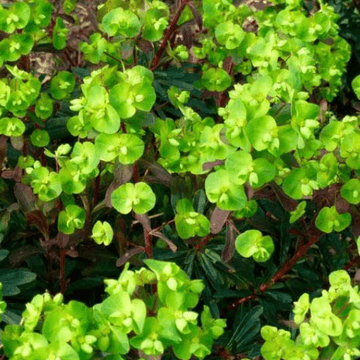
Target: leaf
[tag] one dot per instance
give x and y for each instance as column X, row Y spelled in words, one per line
column 127, row 256
column 246, row 329
column 218, row 219
column 229, row 248
column 12, row 278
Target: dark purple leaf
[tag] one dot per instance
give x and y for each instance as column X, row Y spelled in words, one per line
column 218, row 219
column 229, row 248
column 25, row 197
column 125, row 258
column 160, row 235
column 211, row 164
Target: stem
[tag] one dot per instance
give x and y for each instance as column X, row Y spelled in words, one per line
column 62, row 270
column 352, row 262
column 148, row 244
column 169, row 32
column 96, row 191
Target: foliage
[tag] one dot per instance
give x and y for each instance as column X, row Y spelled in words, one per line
column 140, row 144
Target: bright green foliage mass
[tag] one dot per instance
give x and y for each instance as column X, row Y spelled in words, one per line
column 329, row 325
column 75, row 331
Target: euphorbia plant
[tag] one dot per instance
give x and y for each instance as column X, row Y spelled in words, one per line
column 130, row 142
column 129, row 317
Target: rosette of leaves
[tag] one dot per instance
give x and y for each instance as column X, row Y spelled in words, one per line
column 15, row 45
column 216, row 79
column 45, row 183
column 102, row 233
column 127, row 148
column 60, row 34
column 11, row 126
column 15, row 17
column 94, row 51
column 44, row 106
column 138, row 197
column 221, row 188
column 331, row 329
column 253, row 243
column 229, row 34
column 121, row 22
column 155, row 21
column 189, row 223
column 62, row 85
column 133, row 92
column 72, row 218
column 329, row 220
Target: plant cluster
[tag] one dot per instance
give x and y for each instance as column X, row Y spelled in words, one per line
column 221, row 139
column 128, row 316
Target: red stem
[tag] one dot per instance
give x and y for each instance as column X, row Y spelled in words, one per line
column 62, row 270
column 352, row 262
column 96, row 190
column 148, row 244
column 169, row 32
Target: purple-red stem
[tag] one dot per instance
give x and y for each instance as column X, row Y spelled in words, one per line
column 62, row 270
column 169, row 32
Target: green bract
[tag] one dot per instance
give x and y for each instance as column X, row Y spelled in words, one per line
column 62, row 85
column 121, row 22
column 188, row 222
column 60, row 33
column 44, row 107
column 72, row 218
column 216, row 79
column 329, row 220
column 350, row 191
column 126, row 147
column 11, row 127
column 102, row 233
column 221, row 188
column 15, row 17
column 138, row 197
column 229, row 34
column 253, row 243
column 40, row 138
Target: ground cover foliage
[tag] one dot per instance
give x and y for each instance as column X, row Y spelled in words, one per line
column 179, row 179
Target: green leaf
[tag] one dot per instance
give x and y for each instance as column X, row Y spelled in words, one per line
column 298, row 212
column 138, row 197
